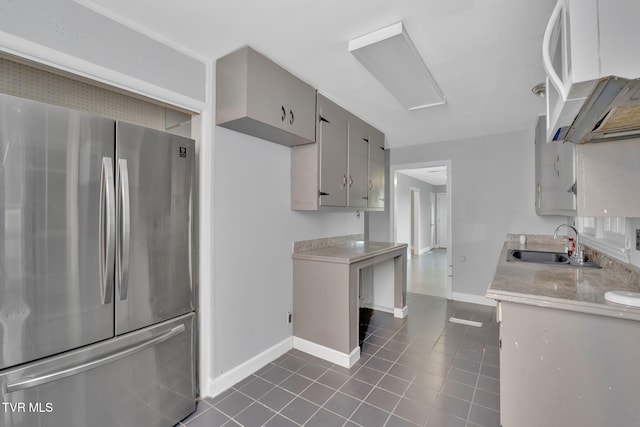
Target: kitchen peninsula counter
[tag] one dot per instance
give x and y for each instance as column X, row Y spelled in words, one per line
column 578, row 289
column 327, row 282
column 567, row 356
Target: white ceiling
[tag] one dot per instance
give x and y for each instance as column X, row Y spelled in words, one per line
column 485, row 54
column 435, row 176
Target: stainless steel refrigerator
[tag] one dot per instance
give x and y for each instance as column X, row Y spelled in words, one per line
column 97, row 321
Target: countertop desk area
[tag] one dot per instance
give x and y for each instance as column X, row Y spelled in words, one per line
column 326, row 283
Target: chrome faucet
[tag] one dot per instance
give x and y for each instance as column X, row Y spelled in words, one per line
column 578, row 254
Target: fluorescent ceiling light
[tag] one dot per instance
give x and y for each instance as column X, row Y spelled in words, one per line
column 389, row 54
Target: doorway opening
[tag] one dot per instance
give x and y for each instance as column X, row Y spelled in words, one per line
column 421, row 217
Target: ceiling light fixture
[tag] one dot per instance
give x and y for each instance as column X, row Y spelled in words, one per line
column 390, row 55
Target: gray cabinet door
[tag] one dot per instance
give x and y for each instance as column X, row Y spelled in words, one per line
column 154, row 269
column 301, row 107
column 555, row 174
column 376, row 169
column 332, row 140
column 266, row 85
column 54, row 295
column 256, row 96
column 566, row 197
column 358, row 163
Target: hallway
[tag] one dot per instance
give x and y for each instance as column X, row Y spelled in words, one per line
column 427, row 273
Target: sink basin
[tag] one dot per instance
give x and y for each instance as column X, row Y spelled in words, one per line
column 552, row 258
column 623, row 297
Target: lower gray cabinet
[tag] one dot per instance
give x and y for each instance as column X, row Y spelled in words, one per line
column 566, row 368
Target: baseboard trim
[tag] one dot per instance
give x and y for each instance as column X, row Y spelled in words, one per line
column 379, row 308
column 226, row 380
column 401, row 313
column 474, row 299
column 424, row 250
column 334, row 356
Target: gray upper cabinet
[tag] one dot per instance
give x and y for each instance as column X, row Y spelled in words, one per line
column 257, row 97
column 340, row 170
column 608, row 177
column 332, row 141
column 376, row 170
column 555, row 175
column 358, row 179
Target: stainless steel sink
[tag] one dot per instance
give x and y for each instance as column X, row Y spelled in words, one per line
column 552, row 258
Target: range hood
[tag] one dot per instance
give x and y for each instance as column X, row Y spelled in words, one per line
column 612, row 111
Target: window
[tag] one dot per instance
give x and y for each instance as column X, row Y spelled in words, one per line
column 587, row 225
column 606, row 234
column 613, row 229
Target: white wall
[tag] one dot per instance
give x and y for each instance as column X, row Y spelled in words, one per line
column 492, row 185
column 403, row 187
column 253, row 229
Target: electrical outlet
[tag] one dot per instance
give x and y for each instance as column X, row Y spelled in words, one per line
column 289, row 317
column 637, row 239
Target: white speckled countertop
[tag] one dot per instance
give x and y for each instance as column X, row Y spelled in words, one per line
column 350, row 252
column 564, row 287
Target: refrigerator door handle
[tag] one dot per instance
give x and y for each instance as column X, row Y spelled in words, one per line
column 122, row 265
column 29, row 382
column 107, row 229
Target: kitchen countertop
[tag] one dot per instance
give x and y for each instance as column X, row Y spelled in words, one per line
column 349, row 253
column 578, row 289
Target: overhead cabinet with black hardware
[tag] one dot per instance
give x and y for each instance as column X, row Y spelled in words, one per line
column 344, row 169
column 257, row 97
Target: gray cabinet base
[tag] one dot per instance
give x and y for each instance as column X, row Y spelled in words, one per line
column 565, row 368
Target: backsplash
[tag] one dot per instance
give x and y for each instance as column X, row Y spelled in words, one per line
column 630, row 272
column 538, row 239
column 309, row 245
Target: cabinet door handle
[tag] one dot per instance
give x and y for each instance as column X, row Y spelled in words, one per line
column 284, row 113
column 382, row 148
column 322, row 119
column 292, row 119
column 365, row 140
column 344, row 181
column 322, row 193
column 370, row 185
column 350, row 181
column 574, row 188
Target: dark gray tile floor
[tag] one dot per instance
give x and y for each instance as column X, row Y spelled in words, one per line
column 418, row 371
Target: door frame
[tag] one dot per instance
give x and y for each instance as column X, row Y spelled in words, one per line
column 394, row 204
column 415, row 220
column 438, row 208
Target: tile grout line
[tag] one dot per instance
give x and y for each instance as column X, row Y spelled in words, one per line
column 393, row 331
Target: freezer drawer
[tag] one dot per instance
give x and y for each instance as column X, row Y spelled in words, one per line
column 154, row 204
column 145, row 378
column 56, row 215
